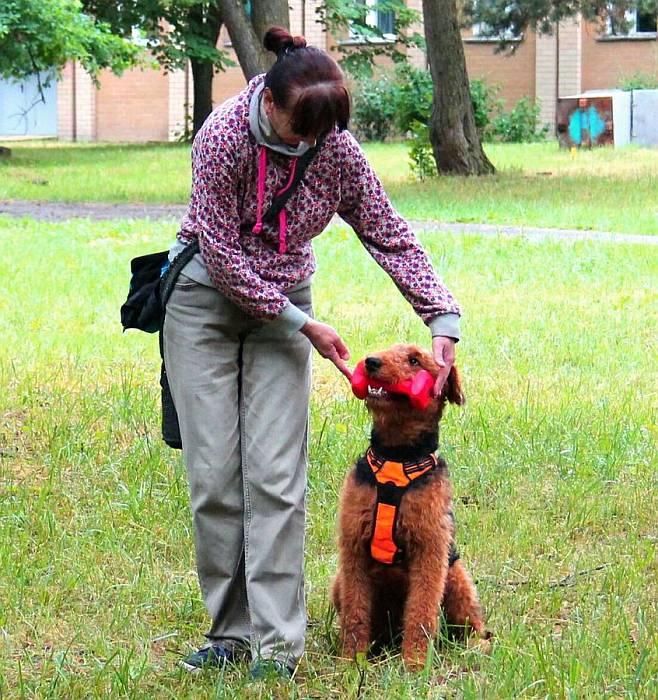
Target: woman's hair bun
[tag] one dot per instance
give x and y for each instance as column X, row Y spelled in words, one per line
column 278, row 39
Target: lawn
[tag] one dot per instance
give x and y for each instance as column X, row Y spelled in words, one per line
column 536, row 184
column 553, row 460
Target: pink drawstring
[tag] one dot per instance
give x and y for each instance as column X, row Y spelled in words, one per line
column 262, row 171
column 283, row 217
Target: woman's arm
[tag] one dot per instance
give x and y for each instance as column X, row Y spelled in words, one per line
column 391, row 242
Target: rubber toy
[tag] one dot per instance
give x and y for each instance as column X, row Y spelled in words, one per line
column 418, row 389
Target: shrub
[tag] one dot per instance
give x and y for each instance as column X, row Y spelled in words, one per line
column 639, row 81
column 485, row 105
column 412, row 97
column 520, row 125
column 373, row 111
column 423, row 164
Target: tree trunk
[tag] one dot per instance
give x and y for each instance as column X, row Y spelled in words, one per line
column 454, row 137
column 251, row 55
column 268, row 13
column 202, row 74
column 208, row 20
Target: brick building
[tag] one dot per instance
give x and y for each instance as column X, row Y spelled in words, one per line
column 149, row 105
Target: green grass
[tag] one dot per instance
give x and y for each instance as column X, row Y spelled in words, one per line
column 553, row 462
column 536, row 184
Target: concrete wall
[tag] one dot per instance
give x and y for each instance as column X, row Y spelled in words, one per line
column 645, row 123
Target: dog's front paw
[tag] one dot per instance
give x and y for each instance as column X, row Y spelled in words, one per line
column 414, row 655
column 354, row 646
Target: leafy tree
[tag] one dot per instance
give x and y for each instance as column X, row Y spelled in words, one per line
column 504, row 19
column 452, row 129
column 40, row 36
column 174, row 31
column 366, row 41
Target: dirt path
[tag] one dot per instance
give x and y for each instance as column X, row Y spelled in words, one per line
column 63, row 211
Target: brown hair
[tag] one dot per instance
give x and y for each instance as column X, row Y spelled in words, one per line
column 308, row 82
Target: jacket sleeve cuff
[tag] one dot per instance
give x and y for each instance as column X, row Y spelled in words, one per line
column 291, row 319
column 446, row 325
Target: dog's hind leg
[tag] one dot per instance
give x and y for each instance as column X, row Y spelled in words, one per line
column 460, row 603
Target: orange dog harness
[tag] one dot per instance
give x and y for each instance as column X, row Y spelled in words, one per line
column 392, row 479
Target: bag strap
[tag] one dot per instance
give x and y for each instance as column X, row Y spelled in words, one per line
column 171, row 275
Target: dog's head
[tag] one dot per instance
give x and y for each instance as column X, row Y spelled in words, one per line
column 393, row 413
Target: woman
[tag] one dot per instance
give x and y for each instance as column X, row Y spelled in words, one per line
column 239, row 330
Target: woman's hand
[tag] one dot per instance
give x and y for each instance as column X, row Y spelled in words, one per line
column 443, row 349
column 328, row 343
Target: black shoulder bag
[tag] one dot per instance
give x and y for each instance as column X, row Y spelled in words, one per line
column 152, row 280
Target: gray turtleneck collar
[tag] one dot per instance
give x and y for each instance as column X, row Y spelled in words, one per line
column 264, row 133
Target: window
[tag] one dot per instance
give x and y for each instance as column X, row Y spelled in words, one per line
column 482, row 31
column 383, row 21
column 633, row 23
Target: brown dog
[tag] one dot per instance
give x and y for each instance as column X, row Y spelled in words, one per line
column 397, row 561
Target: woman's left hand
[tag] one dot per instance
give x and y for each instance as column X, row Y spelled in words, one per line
column 443, row 349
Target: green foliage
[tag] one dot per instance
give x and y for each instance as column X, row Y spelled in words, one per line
column 361, row 42
column 485, row 104
column 412, row 96
column 374, row 108
column 639, row 81
column 42, row 35
column 189, row 31
column 502, row 19
column 520, row 125
column 392, row 103
column 421, row 156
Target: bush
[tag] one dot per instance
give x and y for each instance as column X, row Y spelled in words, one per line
column 373, row 111
column 520, row 125
column 639, row 81
column 412, row 97
column 423, row 164
column 485, row 104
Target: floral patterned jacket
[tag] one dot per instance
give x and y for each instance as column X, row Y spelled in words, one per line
column 249, row 268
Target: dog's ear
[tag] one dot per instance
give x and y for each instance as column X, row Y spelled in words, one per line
column 452, row 389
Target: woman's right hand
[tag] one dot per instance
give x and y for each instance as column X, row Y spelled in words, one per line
column 328, row 343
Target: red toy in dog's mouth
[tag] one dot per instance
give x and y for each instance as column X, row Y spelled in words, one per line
column 418, row 389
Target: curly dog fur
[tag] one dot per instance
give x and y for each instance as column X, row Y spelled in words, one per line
column 377, row 603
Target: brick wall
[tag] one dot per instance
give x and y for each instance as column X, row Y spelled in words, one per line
column 76, row 105
column 546, row 78
column 605, row 63
column 180, row 102
column 514, row 74
column 65, row 104
column 133, row 107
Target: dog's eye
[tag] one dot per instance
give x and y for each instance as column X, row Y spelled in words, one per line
column 413, row 361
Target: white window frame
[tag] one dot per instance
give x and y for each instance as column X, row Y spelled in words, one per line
column 371, row 21
column 631, row 17
column 479, row 33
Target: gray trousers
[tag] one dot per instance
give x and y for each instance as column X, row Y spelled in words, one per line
column 241, row 389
